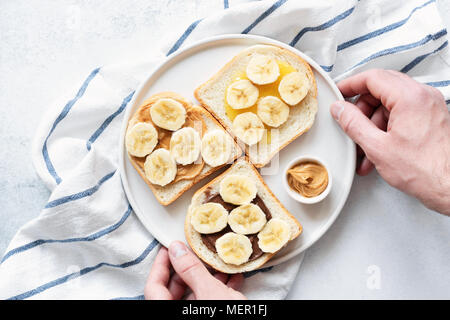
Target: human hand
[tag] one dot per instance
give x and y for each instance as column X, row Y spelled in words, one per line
column 189, row 272
column 402, row 128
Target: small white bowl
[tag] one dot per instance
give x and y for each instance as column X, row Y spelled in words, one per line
column 297, row 196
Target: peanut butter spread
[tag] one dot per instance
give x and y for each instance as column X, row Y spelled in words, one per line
column 194, row 119
column 308, row 178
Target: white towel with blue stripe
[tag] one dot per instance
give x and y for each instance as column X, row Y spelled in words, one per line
column 87, row 243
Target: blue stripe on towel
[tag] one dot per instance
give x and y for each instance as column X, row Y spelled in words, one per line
column 108, row 120
column 439, row 84
column 401, row 48
column 323, row 26
column 81, row 194
column 252, row 273
column 419, row 59
column 264, row 15
column 381, row 31
column 84, row 271
column 62, row 115
column 327, row 68
column 91, row 237
column 183, row 37
column 225, row 4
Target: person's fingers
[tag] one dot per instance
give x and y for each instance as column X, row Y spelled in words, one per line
column 359, row 157
column 160, row 273
column 156, row 286
column 367, row 104
column 385, row 85
column 358, row 127
column 371, row 100
column 176, row 287
column 189, row 267
column 236, row 280
column 359, row 151
column 365, row 108
column 379, row 119
column 374, row 82
column 222, row 277
column 364, row 167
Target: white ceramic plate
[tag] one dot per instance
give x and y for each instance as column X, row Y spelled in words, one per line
column 184, row 71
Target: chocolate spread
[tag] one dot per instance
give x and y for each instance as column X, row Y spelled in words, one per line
column 210, row 239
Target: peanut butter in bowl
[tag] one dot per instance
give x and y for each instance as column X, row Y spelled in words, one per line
column 307, row 180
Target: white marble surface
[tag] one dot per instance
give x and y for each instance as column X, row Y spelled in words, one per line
column 380, row 230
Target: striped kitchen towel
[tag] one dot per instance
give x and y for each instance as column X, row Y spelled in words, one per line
column 87, row 243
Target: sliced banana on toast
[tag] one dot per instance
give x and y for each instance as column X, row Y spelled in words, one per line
column 141, row 139
column 216, row 148
column 272, row 111
column 294, row 87
column 242, row 94
column 185, row 145
column 257, row 223
column 237, row 189
column 209, row 218
column 248, row 128
column 275, row 234
column 234, row 248
column 247, row 219
column 262, row 69
column 164, row 144
column 168, row 114
column 247, row 80
column 160, row 167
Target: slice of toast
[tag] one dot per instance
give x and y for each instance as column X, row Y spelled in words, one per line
column 169, row 193
column 277, row 210
column 211, row 95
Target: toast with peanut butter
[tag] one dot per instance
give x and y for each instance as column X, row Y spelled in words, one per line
column 266, row 96
column 235, row 223
column 173, row 144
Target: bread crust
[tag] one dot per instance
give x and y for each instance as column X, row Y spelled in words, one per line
column 203, row 174
column 217, row 76
column 257, row 263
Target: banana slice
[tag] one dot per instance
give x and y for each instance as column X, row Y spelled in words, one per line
column 234, row 248
column 209, row 218
column 185, row 145
column 242, row 94
column 274, row 235
column 272, row 111
column 160, row 168
column 141, row 139
column 248, row 127
column 168, row 114
column 217, row 147
column 294, row 87
column 262, row 69
column 237, row 189
column 247, row 219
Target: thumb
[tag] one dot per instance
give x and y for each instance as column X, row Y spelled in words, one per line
column 357, row 126
column 189, row 267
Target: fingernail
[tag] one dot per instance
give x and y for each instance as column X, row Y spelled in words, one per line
column 336, row 110
column 177, row 249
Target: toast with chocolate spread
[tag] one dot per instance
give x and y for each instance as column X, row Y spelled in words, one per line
column 235, row 223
